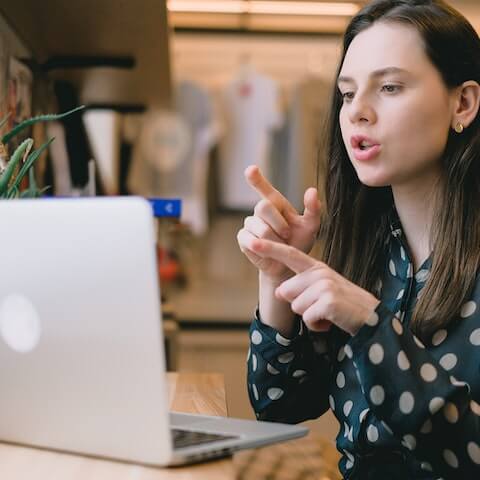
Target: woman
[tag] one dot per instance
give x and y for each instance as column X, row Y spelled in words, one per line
column 386, row 330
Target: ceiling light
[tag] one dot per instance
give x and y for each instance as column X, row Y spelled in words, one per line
column 263, row 7
column 303, row 8
column 213, row 6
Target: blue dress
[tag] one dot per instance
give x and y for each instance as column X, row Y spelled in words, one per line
column 406, row 410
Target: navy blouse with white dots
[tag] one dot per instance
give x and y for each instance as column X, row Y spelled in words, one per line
column 406, row 409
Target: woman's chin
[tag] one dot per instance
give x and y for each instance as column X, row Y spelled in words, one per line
column 374, row 181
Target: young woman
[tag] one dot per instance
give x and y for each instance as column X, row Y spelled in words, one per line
column 386, row 329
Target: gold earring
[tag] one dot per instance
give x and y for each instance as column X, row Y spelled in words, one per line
column 459, row 127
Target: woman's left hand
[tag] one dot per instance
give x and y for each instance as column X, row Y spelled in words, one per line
column 318, row 293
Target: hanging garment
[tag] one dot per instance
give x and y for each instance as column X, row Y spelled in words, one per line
column 62, row 183
column 170, row 156
column 76, row 138
column 103, row 127
column 306, row 146
column 250, row 110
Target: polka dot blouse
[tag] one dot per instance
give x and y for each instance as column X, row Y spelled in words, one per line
column 406, row 409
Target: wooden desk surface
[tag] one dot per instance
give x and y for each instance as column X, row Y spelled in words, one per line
column 188, row 392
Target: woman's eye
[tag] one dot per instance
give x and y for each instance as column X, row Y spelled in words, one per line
column 347, row 96
column 391, row 88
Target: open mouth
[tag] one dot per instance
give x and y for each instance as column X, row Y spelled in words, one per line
column 365, row 146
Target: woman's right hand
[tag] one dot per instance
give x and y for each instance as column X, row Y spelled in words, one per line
column 275, row 219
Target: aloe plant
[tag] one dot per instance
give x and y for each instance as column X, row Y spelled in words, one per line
column 14, row 168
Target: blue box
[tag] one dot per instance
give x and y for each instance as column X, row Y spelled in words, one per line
column 166, row 207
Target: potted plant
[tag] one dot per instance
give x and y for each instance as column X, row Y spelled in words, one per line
column 14, row 168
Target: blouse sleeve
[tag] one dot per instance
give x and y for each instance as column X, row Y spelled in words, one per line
column 432, row 413
column 288, row 378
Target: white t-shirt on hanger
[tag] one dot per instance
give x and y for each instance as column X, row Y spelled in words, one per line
column 251, row 112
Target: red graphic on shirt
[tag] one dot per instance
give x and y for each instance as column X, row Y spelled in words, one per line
column 245, row 90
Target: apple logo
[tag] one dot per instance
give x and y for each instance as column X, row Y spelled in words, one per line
column 19, row 323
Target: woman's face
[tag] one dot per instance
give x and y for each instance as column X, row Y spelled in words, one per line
column 396, row 111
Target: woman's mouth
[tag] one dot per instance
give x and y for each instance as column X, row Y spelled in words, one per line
column 364, row 148
column 364, row 154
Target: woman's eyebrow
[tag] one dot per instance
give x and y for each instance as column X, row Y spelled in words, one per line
column 375, row 74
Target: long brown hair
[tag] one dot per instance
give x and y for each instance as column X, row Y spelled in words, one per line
column 357, row 224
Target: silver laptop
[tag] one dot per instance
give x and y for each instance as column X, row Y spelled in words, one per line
column 82, row 364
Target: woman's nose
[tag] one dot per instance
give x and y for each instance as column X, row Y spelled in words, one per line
column 361, row 110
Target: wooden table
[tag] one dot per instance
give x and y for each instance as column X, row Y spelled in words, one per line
column 188, row 392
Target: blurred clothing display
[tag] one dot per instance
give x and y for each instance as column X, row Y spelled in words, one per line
column 59, row 160
column 76, row 139
column 250, row 114
column 56, row 174
column 171, row 148
column 170, row 154
column 298, row 148
column 104, row 127
column 306, row 149
column 70, row 169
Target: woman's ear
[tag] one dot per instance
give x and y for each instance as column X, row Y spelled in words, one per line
column 467, row 102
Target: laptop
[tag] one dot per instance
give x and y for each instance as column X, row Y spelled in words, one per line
column 81, row 344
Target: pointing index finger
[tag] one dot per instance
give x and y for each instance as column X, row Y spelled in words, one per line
column 291, row 257
column 266, row 190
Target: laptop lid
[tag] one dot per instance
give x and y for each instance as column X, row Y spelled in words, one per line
column 81, row 346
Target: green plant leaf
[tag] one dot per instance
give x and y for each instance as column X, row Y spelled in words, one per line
column 12, row 164
column 31, row 179
column 41, row 118
column 4, row 120
column 33, row 192
column 13, row 192
column 32, row 184
column 29, row 163
column 26, row 194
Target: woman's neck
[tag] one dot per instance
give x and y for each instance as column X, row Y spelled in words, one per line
column 415, row 205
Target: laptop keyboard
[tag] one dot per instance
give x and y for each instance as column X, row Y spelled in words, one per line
column 186, row 438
